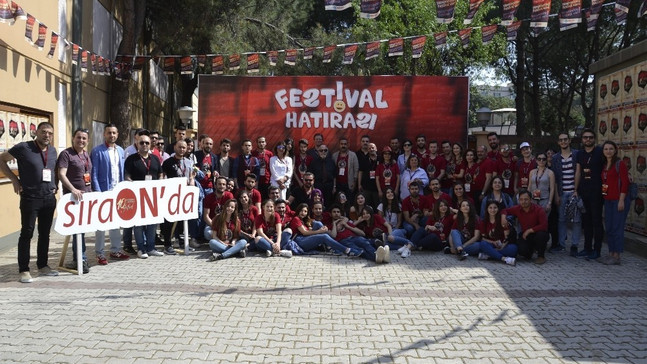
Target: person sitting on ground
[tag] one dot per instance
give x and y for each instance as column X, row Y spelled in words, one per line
column 436, row 232
column 343, row 231
column 269, row 231
column 247, row 214
column 374, row 226
column 466, row 232
column 226, row 241
column 534, row 227
column 497, row 194
column 494, row 242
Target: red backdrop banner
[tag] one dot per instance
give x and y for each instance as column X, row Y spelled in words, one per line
column 238, row 107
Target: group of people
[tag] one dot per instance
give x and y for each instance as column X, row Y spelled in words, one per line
column 426, row 195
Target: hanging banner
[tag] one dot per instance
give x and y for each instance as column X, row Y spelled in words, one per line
column 337, row 5
column 440, row 39
column 570, row 15
column 328, row 53
column 643, row 9
column 75, row 53
column 445, row 11
column 290, row 57
column 217, row 65
column 372, row 50
column 101, row 68
column 512, row 30
column 308, row 52
column 252, row 63
column 84, row 60
column 623, row 5
column 29, row 28
column 474, row 7
column 234, row 62
column 93, row 61
column 418, row 46
column 42, row 34
column 273, row 57
column 488, row 33
column 168, row 65
column 370, row 9
column 464, row 35
column 6, row 14
column 300, row 106
column 139, row 62
column 202, row 60
column 349, row 53
column 107, row 64
column 396, row 47
column 621, row 15
column 509, row 10
column 52, row 45
column 540, row 12
column 186, row 65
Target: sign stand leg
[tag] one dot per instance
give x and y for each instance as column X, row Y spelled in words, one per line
column 185, row 225
column 79, row 254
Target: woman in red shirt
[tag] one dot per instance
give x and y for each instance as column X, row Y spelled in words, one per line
column 375, row 227
column 225, row 228
column 494, row 241
column 247, row 213
column 439, row 225
column 268, row 231
column 615, row 188
column 466, row 231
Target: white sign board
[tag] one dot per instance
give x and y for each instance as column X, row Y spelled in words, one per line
column 130, row 203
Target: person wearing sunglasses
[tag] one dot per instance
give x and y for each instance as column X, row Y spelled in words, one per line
column 324, row 169
column 542, row 183
column 281, row 169
column 564, row 165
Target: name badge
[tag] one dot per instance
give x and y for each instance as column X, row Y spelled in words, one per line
column 47, row 175
column 342, row 171
column 86, row 178
column 262, row 171
column 148, row 177
column 372, row 174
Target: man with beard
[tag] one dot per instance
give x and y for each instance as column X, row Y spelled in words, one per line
column 434, row 164
column 302, row 160
column 206, row 161
column 323, row 167
column 264, row 173
column 493, row 142
column 394, row 143
column 534, row 224
column 224, row 164
column 486, row 171
column 180, row 134
column 245, row 163
column 306, row 193
column 366, row 177
column 421, row 148
column 314, row 151
column 250, row 188
column 506, row 168
column 37, row 189
column 362, row 152
column 413, row 210
column 213, row 206
column 588, row 184
column 347, row 168
column 446, row 183
column 564, row 166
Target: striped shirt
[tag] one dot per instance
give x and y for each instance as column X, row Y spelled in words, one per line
column 568, row 174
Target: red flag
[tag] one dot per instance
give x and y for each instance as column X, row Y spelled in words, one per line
column 464, row 34
column 52, row 45
column 84, row 61
column 372, row 50
column 445, row 11
column 509, row 9
column 18, row 13
column 349, row 53
column 488, row 33
column 234, row 62
column 417, row 46
column 252, row 63
column 101, row 66
column 6, row 15
column 474, row 7
column 186, row 65
column 592, row 14
column 29, row 28
column 396, row 47
column 290, row 57
column 370, row 9
column 42, row 34
column 328, row 53
column 308, row 52
column 139, row 62
column 168, row 65
column 440, row 39
column 217, row 65
column 512, row 30
column 75, row 53
column 93, row 60
column 540, row 12
column 273, row 57
column 337, row 5
column 107, row 65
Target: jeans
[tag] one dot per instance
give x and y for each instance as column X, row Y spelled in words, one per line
column 410, row 229
column 592, row 221
column 399, row 239
column 100, row 241
column 227, row 251
column 614, row 222
column 358, row 242
column 309, row 243
column 431, row 241
column 509, row 250
column 576, row 227
column 263, row 245
column 128, row 237
column 457, row 239
column 535, row 241
column 145, row 237
column 82, row 247
column 31, row 208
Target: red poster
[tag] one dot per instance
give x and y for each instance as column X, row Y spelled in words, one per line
column 84, row 60
column 474, row 7
column 186, row 65
column 239, row 107
column 308, row 52
column 509, row 10
column 75, row 53
column 539, row 17
column 6, row 15
column 169, row 65
column 29, row 28
column 202, row 60
column 570, row 15
column 93, row 62
column 234, row 62
column 252, row 63
column 273, row 57
column 512, row 30
column 291, row 57
column 139, row 62
column 217, row 65
column 337, row 5
column 445, row 11
column 370, row 9
column 42, row 34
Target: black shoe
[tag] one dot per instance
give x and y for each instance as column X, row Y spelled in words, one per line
column 86, row 267
column 462, row 255
column 447, row 250
column 216, row 256
column 574, row 251
column 242, row 254
column 129, row 250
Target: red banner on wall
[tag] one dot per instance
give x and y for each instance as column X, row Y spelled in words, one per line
column 383, row 107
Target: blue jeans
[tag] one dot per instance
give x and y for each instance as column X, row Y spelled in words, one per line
column 509, row 250
column 358, row 242
column 308, row 243
column 286, row 236
column 263, row 244
column 227, row 251
column 564, row 226
column 82, row 247
column 399, row 239
column 457, row 239
column 145, row 237
column 410, row 229
column 431, row 242
column 614, row 223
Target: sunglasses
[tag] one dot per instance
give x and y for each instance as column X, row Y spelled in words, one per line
column 144, row 143
column 160, row 143
column 588, row 137
column 323, row 150
column 407, row 144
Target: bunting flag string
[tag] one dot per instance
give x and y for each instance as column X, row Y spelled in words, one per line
column 569, row 16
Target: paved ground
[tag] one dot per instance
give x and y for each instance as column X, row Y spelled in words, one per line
column 428, row 308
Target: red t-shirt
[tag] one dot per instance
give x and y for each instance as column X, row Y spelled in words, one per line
column 344, row 232
column 489, row 231
column 264, row 163
column 465, row 232
column 269, row 230
column 507, row 170
column 453, row 168
column 342, row 169
column 445, row 224
column 431, row 200
column 248, row 219
column 301, row 165
column 388, row 175
column 408, row 204
column 434, row 166
column 214, row 203
column 285, row 220
column 523, row 170
column 296, row 223
column 376, row 230
column 205, row 166
column 534, row 218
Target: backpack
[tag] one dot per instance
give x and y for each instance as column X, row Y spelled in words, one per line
column 632, row 191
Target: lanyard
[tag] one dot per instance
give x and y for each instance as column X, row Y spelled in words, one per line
column 147, row 164
column 181, row 166
column 538, row 177
column 43, row 156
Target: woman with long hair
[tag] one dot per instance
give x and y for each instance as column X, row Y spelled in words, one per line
column 458, row 196
column 225, row 228
column 542, row 183
column 309, row 235
column 436, row 232
column 356, row 209
column 497, row 194
column 615, row 190
column 494, row 241
column 375, row 227
column 403, row 158
column 268, row 230
column 247, row 214
column 341, row 200
column 281, row 169
column 456, row 166
column 466, row 232
column 412, row 174
column 391, row 209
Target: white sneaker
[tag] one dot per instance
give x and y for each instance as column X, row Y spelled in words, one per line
column 141, row 254
column 387, row 254
column 510, row 261
column 268, row 253
column 379, row 255
column 155, row 253
column 286, row 253
column 25, row 277
column 402, row 248
column 406, row 252
column 483, row 256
